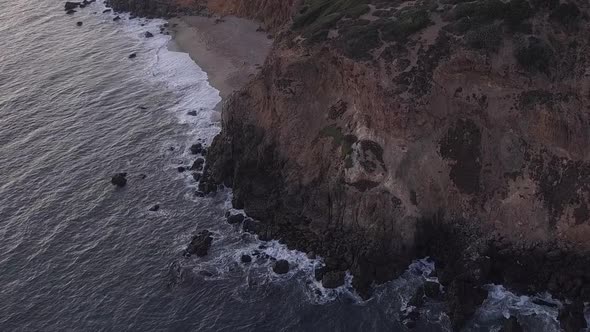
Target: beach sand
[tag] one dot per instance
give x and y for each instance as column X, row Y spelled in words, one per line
column 231, row 52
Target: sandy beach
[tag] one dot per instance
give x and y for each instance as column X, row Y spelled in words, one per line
column 231, row 51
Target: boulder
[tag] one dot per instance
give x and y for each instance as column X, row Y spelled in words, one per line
column 249, row 225
column 319, row 273
column 196, row 176
column 281, row 266
column 432, row 289
column 70, row 12
column 246, row 259
column 200, row 244
column 148, row 34
column 79, row 24
column 235, row 219
column 196, row 148
column 198, row 164
column 119, row 179
column 333, row 279
column 132, row 56
column 116, row 18
column 71, row 5
column 571, row 317
column 155, row 208
column 511, row 325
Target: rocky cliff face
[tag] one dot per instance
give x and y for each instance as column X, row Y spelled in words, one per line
column 382, row 130
column 377, row 128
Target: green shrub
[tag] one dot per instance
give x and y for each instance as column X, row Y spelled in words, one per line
column 566, row 14
column 517, row 11
column 359, row 41
column 535, row 55
column 488, row 37
column 407, row 23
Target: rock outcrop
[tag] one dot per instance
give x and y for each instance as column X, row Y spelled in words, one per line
column 376, row 130
column 380, row 131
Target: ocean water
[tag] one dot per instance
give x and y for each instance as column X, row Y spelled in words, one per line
column 78, row 254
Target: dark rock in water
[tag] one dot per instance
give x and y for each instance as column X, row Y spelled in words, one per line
column 192, row 113
column 70, row 12
column 199, row 194
column 246, row 259
column 71, row 5
column 155, row 207
column 319, row 273
column 142, row 176
column 511, row 325
column 82, row 6
column 144, row 108
column 249, row 225
column 108, row 10
column 200, row 244
column 545, row 303
column 116, row 18
column 196, row 176
column 79, row 24
column 131, row 17
column 119, row 179
column 432, row 289
column 204, row 152
column 281, row 266
column 196, row 148
column 133, row 56
column 181, row 169
column 198, row 164
column 148, row 34
column 333, row 279
column 235, row 219
column 205, row 273
column 571, row 317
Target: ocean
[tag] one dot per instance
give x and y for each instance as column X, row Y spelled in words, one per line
column 78, row 254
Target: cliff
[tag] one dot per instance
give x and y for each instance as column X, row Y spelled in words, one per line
column 380, row 131
column 385, row 130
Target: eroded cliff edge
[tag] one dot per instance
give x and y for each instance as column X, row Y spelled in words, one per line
column 380, row 131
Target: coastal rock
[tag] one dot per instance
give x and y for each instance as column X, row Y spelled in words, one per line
column 117, row 18
column 200, row 244
column 511, row 325
column 281, row 266
column 196, row 148
column 198, row 164
column 249, row 225
column 71, row 5
column 235, row 219
column 196, row 176
column 148, row 34
column 432, row 289
column 571, row 317
column 119, row 179
column 333, row 279
column 246, row 259
column 154, row 208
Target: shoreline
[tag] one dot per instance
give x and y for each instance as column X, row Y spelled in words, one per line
column 230, row 50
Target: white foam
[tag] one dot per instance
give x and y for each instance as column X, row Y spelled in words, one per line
column 502, row 303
